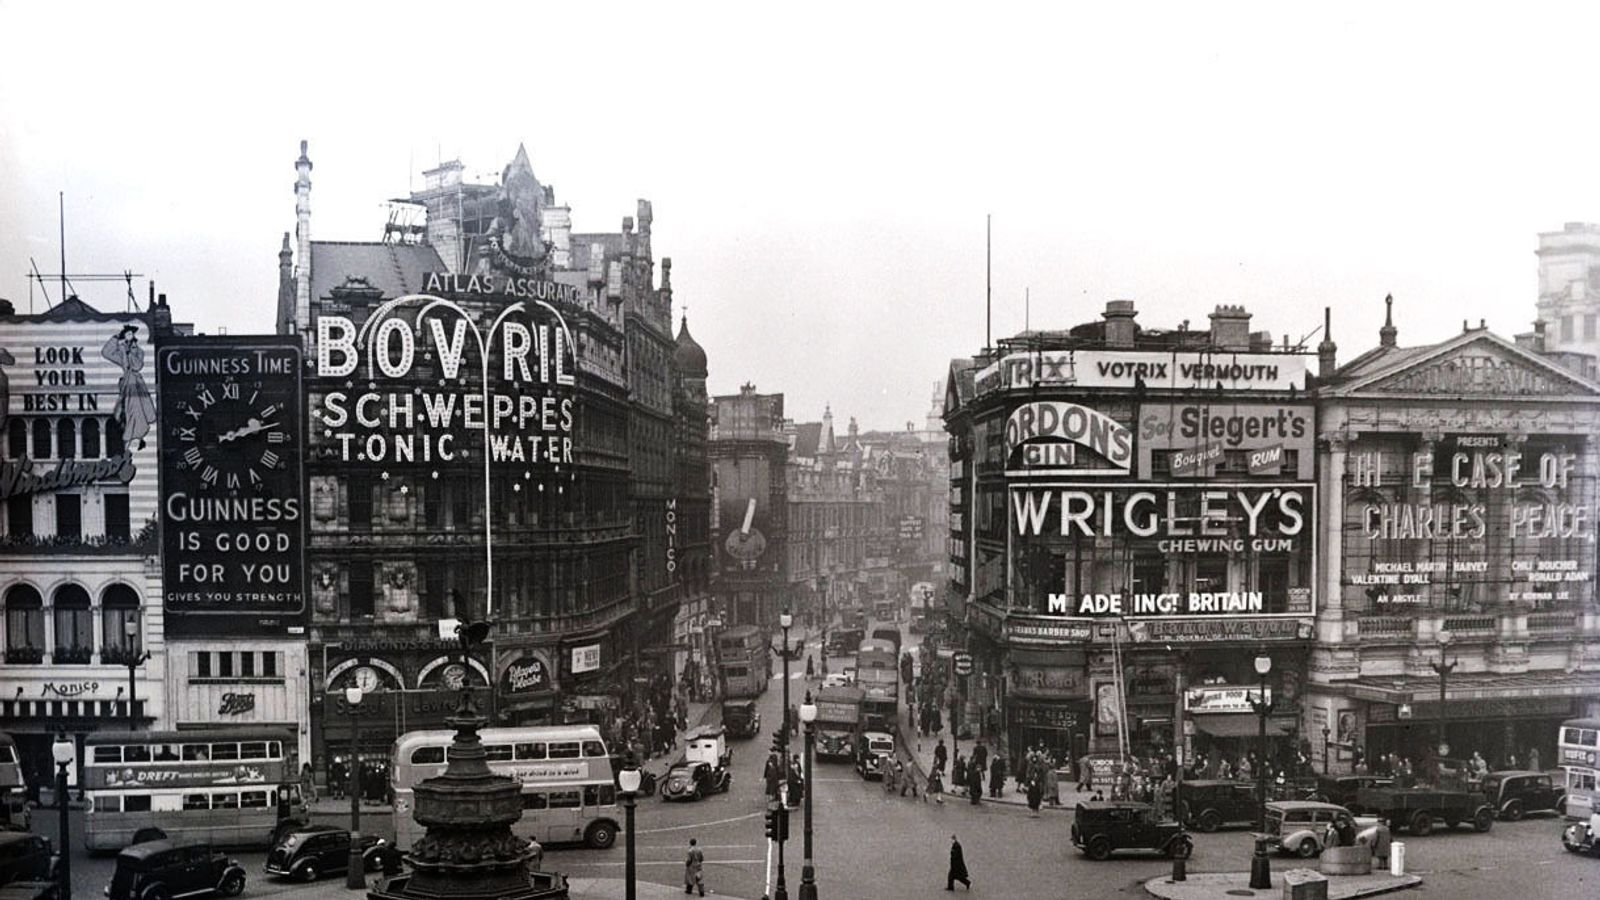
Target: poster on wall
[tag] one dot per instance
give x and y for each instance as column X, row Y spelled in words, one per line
column 1259, row 438
column 76, row 408
column 232, row 486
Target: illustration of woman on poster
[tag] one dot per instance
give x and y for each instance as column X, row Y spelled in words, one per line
column 135, row 411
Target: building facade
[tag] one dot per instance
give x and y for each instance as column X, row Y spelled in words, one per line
column 749, row 514
column 1568, row 310
column 79, row 579
column 1459, row 531
column 478, row 389
column 834, row 517
column 1131, row 523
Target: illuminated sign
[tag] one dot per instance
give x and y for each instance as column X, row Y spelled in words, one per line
column 1222, row 699
column 585, row 658
column 1198, row 436
column 1154, row 370
column 1206, row 631
column 1047, row 431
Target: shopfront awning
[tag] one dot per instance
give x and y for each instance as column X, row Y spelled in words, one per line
column 1233, row 725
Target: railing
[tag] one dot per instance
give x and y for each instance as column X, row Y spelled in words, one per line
column 65, row 656
column 26, row 656
column 1553, row 621
column 1469, row 624
column 1386, row 626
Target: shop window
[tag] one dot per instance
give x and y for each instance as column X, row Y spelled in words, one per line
column 117, row 523
column 1211, row 574
column 74, row 625
column 19, row 517
column 17, row 438
column 69, row 516
column 1149, row 574
column 91, row 438
column 66, row 439
column 1272, row 580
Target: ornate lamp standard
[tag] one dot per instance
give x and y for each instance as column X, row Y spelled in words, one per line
column 808, row 874
column 355, row 876
column 1326, row 733
column 1443, row 670
column 1260, row 865
column 130, row 630
column 784, row 621
column 629, row 780
column 64, row 754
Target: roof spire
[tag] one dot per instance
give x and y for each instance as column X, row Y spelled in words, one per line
column 1327, row 351
column 1388, row 333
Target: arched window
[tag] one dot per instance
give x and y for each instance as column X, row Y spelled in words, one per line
column 91, row 438
column 113, row 437
column 119, row 624
column 24, row 625
column 17, row 438
column 41, row 438
column 74, row 625
column 66, row 439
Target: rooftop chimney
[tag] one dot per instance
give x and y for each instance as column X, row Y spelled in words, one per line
column 1327, row 351
column 302, row 234
column 1120, row 329
column 1230, row 328
column 1388, row 333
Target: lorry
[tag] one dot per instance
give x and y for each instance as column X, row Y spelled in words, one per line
column 838, row 721
column 1416, row 809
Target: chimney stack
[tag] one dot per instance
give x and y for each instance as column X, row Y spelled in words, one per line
column 1327, row 351
column 1120, row 329
column 302, row 234
column 1230, row 328
column 1388, row 333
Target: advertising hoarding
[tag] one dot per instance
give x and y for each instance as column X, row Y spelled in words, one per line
column 1044, row 437
column 1200, row 436
column 232, row 486
column 1155, row 370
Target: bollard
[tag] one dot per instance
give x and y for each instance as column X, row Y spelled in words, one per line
column 1397, row 858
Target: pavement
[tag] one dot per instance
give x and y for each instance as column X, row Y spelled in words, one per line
column 577, row 889
column 920, row 751
column 1225, row 885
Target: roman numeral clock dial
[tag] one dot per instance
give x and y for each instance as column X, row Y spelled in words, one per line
column 232, row 434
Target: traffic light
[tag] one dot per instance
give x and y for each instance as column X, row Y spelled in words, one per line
column 777, row 822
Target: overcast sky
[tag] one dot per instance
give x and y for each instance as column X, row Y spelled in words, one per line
column 820, row 177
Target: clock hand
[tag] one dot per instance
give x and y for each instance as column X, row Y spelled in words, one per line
column 252, row 427
column 749, row 514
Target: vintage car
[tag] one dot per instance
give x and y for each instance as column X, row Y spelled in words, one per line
column 25, row 857
column 1209, row 805
column 1578, row 837
column 1341, row 789
column 1417, row 810
column 836, row 679
column 159, row 870
column 741, row 718
column 1515, row 793
column 1301, row 827
column 873, row 746
column 692, row 780
column 311, row 851
column 1099, row 827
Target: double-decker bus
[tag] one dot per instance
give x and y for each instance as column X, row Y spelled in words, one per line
column 745, row 661
column 227, row 786
column 1578, row 751
column 878, row 674
column 13, row 808
column 569, row 791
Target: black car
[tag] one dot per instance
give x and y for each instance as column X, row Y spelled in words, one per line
column 311, row 851
column 1516, row 793
column 741, row 718
column 1099, row 827
column 1341, row 789
column 163, row 870
column 693, row 780
column 1209, row 805
column 25, row 857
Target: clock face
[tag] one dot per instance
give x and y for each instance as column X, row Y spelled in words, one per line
column 745, row 546
column 232, row 433
column 365, row 678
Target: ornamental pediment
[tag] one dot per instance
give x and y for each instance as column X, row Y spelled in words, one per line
column 1482, row 366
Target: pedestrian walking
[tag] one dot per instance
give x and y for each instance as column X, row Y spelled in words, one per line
column 939, row 755
column 886, row 774
column 958, row 867
column 1035, row 794
column 906, row 779
column 958, row 772
column 693, row 865
column 935, row 790
column 1085, row 774
column 997, row 775
column 980, row 757
column 974, row 783
column 811, row 670
column 1052, row 784
column 1533, row 759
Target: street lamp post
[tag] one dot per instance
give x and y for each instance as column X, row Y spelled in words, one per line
column 784, row 620
column 355, row 877
column 1443, row 670
column 808, row 874
column 629, row 780
column 1326, row 733
column 63, row 752
column 1260, row 865
column 130, row 630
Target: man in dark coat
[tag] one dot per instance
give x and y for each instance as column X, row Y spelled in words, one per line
column 980, row 757
column 997, row 774
column 958, row 867
column 939, row 756
column 975, row 782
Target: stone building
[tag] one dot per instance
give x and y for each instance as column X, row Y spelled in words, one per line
column 1131, row 523
column 749, row 515
column 834, row 516
column 532, row 485
column 1568, row 319
column 1458, row 531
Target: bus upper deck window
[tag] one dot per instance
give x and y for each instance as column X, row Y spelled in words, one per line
column 224, row 752
column 136, row 753
column 166, row 753
column 253, row 750
column 564, row 750
column 530, row 750
column 275, row 750
column 196, row 752
column 497, row 752
column 594, row 748
column 427, row 756
column 111, row 754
